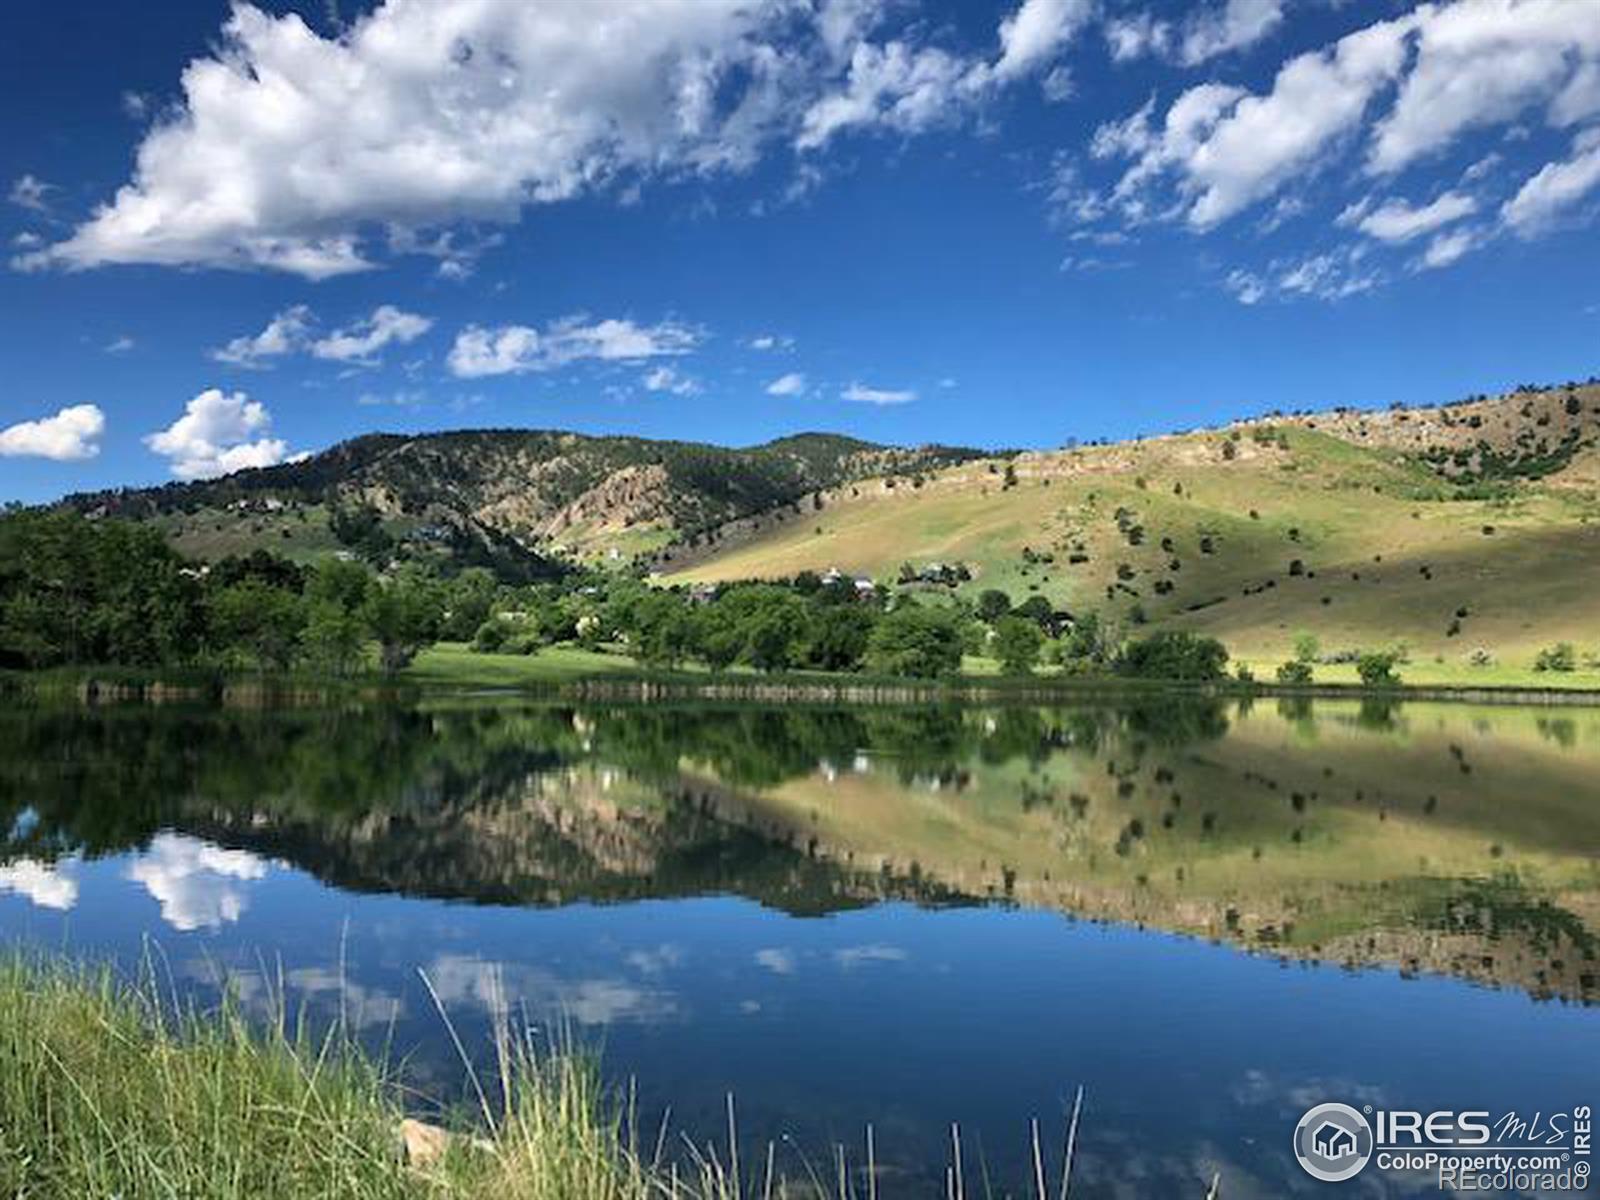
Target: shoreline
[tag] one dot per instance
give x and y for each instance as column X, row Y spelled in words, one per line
column 90, row 686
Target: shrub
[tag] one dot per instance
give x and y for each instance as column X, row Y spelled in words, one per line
column 1296, row 671
column 1560, row 657
column 1480, row 657
column 1306, row 647
column 491, row 635
column 1174, row 654
column 1016, row 644
column 916, row 641
column 1376, row 668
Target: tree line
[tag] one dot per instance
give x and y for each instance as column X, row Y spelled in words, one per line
column 76, row 590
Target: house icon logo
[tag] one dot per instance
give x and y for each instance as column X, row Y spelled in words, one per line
column 1333, row 1142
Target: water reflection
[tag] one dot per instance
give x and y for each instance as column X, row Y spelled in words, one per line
column 1429, row 837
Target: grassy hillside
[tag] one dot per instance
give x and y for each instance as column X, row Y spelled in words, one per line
column 506, row 498
column 1253, row 533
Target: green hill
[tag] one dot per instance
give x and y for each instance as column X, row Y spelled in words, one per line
column 1474, row 526
column 517, row 500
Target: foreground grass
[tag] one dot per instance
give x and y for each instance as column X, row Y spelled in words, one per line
column 114, row 1090
column 105, row 1090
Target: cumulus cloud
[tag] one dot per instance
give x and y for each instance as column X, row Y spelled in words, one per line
column 1398, row 221
column 218, row 433
column 287, row 148
column 1485, row 62
column 1448, row 248
column 1332, row 275
column 1204, row 34
column 499, row 988
column 1555, row 190
column 792, row 384
column 362, row 341
column 285, row 334
column 665, row 379
column 1036, row 32
column 49, row 885
column 850, row 957
column 120, row 344
column 1450, row 68
column 891, row 86
column 771, row 341
column 778, row 960
column 861, row 394
column 71, row 435
column 518, row 349
column 196, row 884
column 1230, row 149
column 32, row 193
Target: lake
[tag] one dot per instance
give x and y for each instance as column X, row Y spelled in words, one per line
column 1210, row 915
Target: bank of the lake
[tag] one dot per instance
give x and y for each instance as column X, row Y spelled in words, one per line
column 611, row 672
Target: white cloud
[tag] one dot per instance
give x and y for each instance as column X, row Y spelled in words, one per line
column 26, row 240
column 1233, row 26
column 792, row 384
column 1247, row 286
column 359, row 342
column 1484, row 62
column 31, row 192
column 218, row 434
column 771, row 341
column 71, row 435
column 1264, row 141
column 285, row 334
column 1333, row 275
column 1204, row 34
column 49, row 885
column 502, row 987
column 665, row 379
column 1398, row 221
column 862, row 394
column 286, row 147
column 1036, row 32
column 516, row 349
column 1555, row 190
column 892, row 86
column 1454, row 67
column 196, row 884
column 778, row 961
column 850, row 957
column 120, row 344
column 1447, row 248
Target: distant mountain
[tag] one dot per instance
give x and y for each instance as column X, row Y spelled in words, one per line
column 511, row 498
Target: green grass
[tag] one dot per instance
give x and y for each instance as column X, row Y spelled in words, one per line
column 458, row 665
column 107, row 1090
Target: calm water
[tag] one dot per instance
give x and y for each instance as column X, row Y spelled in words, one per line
column 1210, row 916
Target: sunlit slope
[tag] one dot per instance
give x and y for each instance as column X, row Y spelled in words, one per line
column 1251, row 538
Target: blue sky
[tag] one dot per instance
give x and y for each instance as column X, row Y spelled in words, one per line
column 238, row 234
